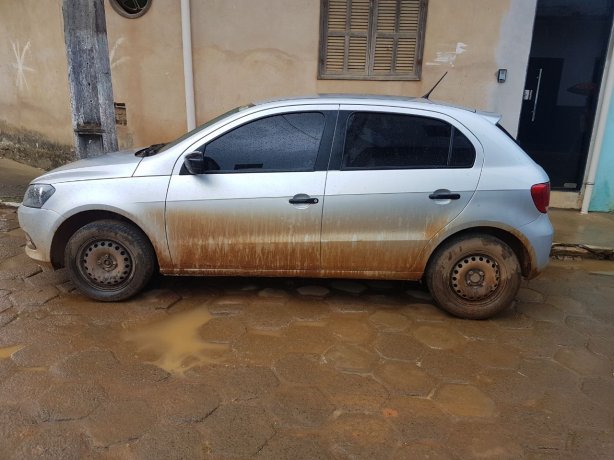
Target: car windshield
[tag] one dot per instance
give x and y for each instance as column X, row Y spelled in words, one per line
column 198, row 128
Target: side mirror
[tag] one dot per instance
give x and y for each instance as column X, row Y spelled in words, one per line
column 198, row 163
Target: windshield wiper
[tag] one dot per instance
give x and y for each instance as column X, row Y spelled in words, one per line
column 149, row 151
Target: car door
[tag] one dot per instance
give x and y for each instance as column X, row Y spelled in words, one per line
column 398, row 176
column 259, row 206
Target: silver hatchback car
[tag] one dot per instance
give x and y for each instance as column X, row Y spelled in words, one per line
column 330, row 186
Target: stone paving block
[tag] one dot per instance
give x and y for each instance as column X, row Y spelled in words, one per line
column 115, row 422
column 549, row 374
column 566, row 304
column 590, row 327
column 187, row 402
column 300, row 368
column 584, row 362
column 301, row 406
column 20, row 266
column 526, row 294
column 351, row 358
column 351, row 329
column 418, row 419
column 439, row 337
column 405, row 379
column 361, row 436
column 137, row 374
column 237, row 430
column 295, row 446
column 540, row 311
column 15, row 426
column 305, row 338
column 576, row 411
column 44, row 352
column 390, row 321
column 33, row 297
column 268, row 316
column 464, row 401
column 222, row 330
column 54, row 442
column 159, row 299
column 48, row 278
column 399, row 346
column 351, row 287
column 353, row 392
column 24, row 386
column 7, row 368
column 7, row 316
column 600, row 390
column 237, row 383
column 69, row 401
column 485, row 441
column 424, row 312
column 273, row 293
column 343, row 303
column 170, row 443
column 591, row 444
column 512, row 319
column 425, row 449
column 601, row 346
column 87, row 364
column 509, row 386
column 259, row 348
column 313, row 291
column 488, row 354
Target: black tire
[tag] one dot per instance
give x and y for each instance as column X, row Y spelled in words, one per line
column 109, row 260
column 474, row 276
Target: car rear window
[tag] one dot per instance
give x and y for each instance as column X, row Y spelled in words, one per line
column 395, row 141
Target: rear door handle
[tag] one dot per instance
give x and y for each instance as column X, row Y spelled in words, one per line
column 444, row 196
column 303, row 199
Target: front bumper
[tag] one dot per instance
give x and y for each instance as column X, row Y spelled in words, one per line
column 40, row 224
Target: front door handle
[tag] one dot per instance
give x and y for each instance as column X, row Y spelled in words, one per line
column 303, row 199
column 444, row 196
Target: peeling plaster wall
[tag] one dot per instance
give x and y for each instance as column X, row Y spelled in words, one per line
column 147, row 73
column 34, row 100
column 247, row 50
column 252, row 50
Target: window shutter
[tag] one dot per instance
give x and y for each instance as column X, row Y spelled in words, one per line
column 396, row 33
column 372, row 39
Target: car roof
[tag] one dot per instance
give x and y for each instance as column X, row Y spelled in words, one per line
column 377, row 99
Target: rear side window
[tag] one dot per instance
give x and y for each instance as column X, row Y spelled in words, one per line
column 395, row 141
column 287, row 142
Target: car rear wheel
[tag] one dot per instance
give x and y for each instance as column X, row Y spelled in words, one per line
column 474, row 276
column 109, row 260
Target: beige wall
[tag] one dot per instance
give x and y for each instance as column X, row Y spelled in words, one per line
column 147, row 73
column 246, row 50
column 33, row 73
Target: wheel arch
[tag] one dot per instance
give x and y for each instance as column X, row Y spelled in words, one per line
column 78, row 220
column 514, row 239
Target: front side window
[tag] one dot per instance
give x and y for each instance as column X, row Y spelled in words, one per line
column 372, row 39
column 394, row 141
column 287, row 142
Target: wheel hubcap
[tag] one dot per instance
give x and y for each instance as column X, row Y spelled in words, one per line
column 475, row 277
column 106, row 263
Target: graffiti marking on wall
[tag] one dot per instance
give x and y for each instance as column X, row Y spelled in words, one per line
column 19, row 64
column 448, row 58
column 116, row 62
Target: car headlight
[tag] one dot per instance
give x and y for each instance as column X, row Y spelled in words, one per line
column 37, row 195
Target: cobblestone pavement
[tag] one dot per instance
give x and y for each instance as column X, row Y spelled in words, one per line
column 290, row 368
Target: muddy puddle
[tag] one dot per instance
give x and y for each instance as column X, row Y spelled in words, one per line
column 174, row 343
column 6, row 352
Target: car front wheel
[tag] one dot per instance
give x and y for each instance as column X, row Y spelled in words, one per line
column 474, row 276
column 109, row 260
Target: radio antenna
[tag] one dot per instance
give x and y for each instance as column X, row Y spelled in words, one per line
column 426, row 96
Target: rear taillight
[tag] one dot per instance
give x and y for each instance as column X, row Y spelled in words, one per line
column 541, row 196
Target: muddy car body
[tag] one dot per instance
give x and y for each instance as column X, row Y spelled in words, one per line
column 329, row 186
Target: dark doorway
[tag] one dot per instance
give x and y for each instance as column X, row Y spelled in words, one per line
column 570, row 42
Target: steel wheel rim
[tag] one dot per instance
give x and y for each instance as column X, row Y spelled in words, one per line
column 105, row 264
column 475, row 277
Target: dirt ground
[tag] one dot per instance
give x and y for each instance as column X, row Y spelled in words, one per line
column 294, row 368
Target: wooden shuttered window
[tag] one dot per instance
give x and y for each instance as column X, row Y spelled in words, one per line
column 372, row 39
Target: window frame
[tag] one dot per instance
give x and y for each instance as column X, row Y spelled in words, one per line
column 323, row 154
column 371, row 48
column 345, row 114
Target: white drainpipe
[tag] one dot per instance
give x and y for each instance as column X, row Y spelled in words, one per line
column 602, row 114
column 188, row 73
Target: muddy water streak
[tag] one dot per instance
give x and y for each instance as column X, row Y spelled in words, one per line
column 174, row 343
column 8, row 351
